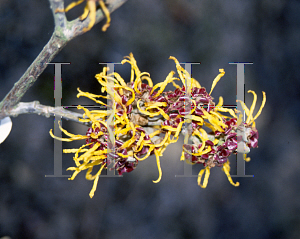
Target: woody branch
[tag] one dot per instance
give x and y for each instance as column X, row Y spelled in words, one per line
column 64, row 32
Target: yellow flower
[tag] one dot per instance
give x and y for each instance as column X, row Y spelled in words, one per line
column 137, row 104
column 89, row 11
column 249, row 113
column 219, row 124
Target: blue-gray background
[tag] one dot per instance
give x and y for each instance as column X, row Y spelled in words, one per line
column 214, row 33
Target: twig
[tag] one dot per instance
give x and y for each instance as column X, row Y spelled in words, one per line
column 35, row 107
column 64, row 32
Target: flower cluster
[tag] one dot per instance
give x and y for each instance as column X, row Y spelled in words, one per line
column 146, row 120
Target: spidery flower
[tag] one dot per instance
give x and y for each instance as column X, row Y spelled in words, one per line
column 139, row 103
column 89, row 11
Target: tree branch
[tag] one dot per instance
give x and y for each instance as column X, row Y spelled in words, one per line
column 35, row 107
column 64, row 32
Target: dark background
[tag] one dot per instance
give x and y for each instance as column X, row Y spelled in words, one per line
column 265, row 32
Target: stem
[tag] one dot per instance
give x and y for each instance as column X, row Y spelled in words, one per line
column 63, row 33
column 36, row 108
column 31, row 75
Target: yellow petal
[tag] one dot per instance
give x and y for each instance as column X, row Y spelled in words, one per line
column 220, row 102
column 230, row 111
column 92, row 15
column 182, row 158
column 261, row 107
column 163, row 84
column 147, row 155
column 213, row 121
column 106, row 13
column 72, row 5
column 160, row 110
column 247, row 159
column 85, row 157
column 72, row 136
column 119, row 78
column 239, row 120
column 91, row 96
column 85, row 13
column 139, row 143
column 245, row 108
column 158, row 167
column 153, row 103
column 205, row 181
column 250, row 116
column 195, row 118
column 216, row 80
column 179, row 128
column 174, row 140
column 74, row 174
column 226, row 169
column 162, row 142
column 61, row 139
column 130, row 141
column 209, row 126
column 146, row 112
column 144, row 77
column 179, row 69
column 204, row 134
column 175, row 85
column 96, row 181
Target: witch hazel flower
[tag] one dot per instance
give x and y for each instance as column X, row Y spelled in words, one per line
column 89, row 12
column 147, row 119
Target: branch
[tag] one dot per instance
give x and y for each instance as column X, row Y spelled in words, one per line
column 36, row 108
column 64, row 32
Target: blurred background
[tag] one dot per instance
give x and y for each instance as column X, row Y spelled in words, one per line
column 215, row 33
